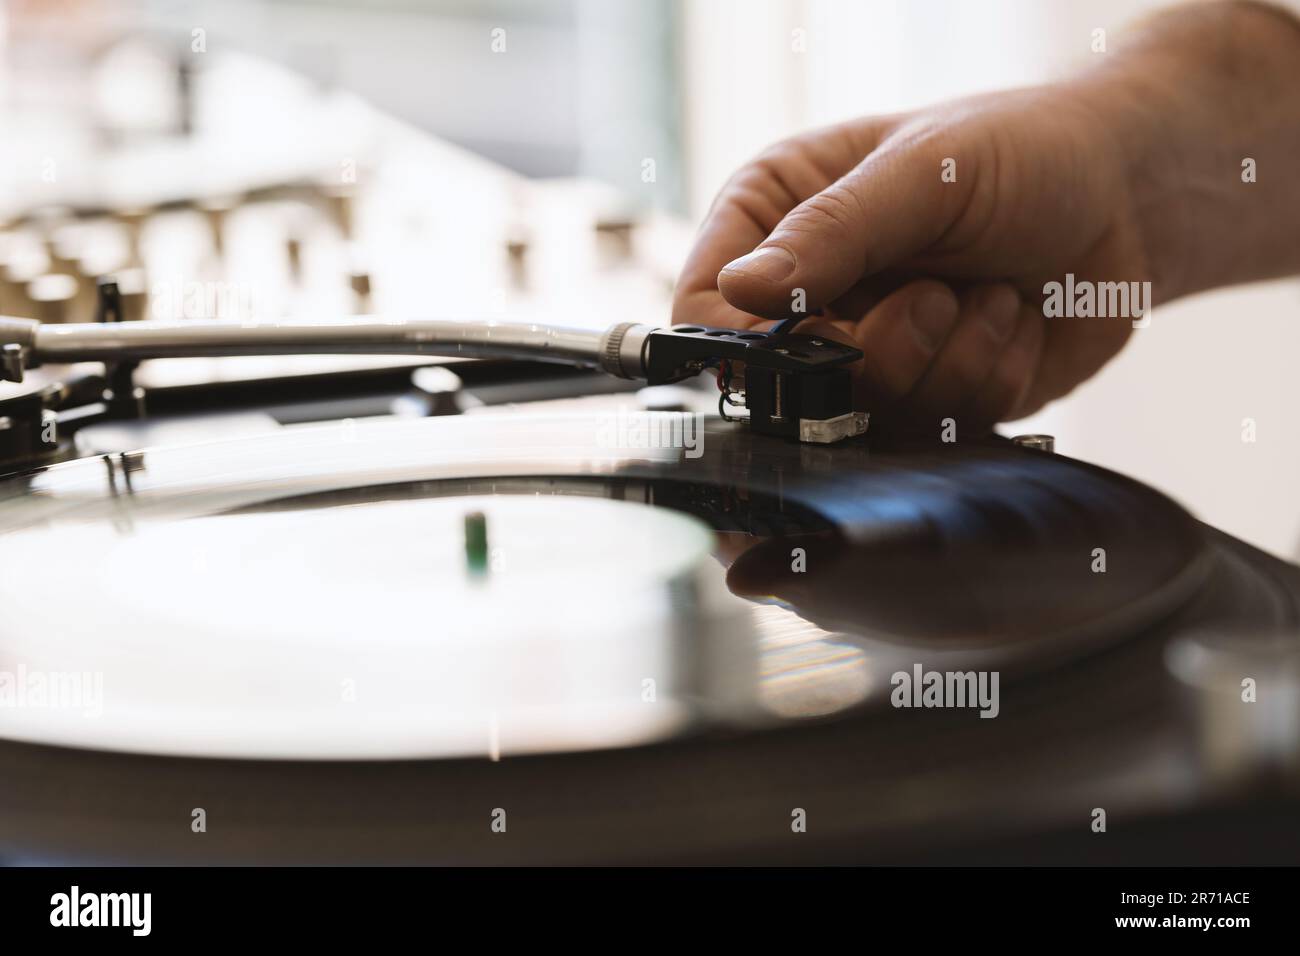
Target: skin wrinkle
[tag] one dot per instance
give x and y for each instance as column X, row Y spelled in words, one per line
column 964, row 212
column 839, row 205
column 762, row 211
column 774, row 177
column 847, row 182
column 813, row 178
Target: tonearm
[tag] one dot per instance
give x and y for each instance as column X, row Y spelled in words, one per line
column 793, row 386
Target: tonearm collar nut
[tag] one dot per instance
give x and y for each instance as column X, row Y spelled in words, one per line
column 13, row 363
column 16, row 338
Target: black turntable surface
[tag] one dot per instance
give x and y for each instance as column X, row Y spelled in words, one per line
column 298, row 634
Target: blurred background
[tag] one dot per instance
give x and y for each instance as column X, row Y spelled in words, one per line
column 554, row 156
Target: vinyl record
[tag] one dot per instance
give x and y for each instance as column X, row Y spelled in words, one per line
column 727, row 650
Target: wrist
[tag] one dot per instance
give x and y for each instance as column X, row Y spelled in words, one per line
column 1195, row 101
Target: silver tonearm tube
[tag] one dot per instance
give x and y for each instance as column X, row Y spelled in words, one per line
column 28, row 343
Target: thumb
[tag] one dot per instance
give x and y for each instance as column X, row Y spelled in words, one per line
column 884, row 211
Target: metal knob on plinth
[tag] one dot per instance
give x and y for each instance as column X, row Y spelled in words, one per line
column 1036, row 442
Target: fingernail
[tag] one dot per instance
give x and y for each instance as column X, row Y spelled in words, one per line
column 1000, row 309
column 771, row 263
column 932, row 317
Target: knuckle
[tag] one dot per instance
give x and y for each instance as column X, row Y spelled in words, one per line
column 838, row 206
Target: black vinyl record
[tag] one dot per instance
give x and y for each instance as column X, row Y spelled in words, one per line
column 289, row 635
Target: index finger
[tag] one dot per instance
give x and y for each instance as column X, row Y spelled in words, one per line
column 750, row 206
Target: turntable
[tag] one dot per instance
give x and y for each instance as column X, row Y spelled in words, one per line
column 517, row 582
column 615, row 628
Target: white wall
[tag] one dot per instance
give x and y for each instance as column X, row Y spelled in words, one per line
column 1170, row 409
